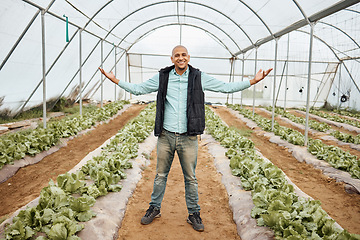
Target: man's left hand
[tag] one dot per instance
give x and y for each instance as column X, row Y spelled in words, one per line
column 260, row 75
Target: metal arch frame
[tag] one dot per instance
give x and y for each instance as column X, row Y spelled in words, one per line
column 174, row 1
column 253, row 11
column 302, row 11
column 94, row 15
column 46, row 10
column 185, row 24
column 24, row 32
column 301, row 23
column 165, row 16
column 331, row 48
column 339, row 29
column 62, row 19
column 151, row 30
column 352, row 10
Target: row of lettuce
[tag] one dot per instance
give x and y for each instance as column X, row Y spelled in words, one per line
column 319, row 126
column 63, row 206
column 335, row 118
column 14, row 146
column 345, row 112
column 334, row 155
column 276, row 204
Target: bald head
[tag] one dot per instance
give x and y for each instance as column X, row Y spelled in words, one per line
column 180, row 58
column 177, row 47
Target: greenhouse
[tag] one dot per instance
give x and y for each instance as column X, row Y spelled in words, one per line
column 277, row 144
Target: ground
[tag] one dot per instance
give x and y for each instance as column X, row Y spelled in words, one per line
column 27, row 183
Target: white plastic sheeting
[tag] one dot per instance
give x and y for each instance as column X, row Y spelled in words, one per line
column 209, row 29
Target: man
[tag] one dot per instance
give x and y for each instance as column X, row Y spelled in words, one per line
column 180, row 117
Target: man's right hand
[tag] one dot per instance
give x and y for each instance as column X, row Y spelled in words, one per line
column 110, row 76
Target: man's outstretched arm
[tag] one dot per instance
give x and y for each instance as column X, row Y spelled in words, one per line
column 151, row 85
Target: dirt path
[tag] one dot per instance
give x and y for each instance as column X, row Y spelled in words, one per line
column 26, row 184
column 343, row 207
column 213, row 199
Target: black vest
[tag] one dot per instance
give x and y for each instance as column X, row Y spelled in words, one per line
column 195, row 109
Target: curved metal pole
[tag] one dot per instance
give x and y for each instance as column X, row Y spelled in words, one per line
column 339, row 29
column 166, row 25
column 188, row 2
column 257, row 15
column 302, row 11
column 165, row 16
column 186, row 24
column 301, row 23
column 24, row 32
column 19, row 40
column 97, row 12
column 72, row 79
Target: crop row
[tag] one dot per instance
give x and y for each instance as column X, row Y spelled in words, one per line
column 322, row 127
column 334, row 155
column 347, row 113
column 59, row 211
column 14, row 146
column 335, row 118
column 276, row 204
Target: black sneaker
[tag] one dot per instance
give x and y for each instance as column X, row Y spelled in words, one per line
column 196, row 222
column 151, row 213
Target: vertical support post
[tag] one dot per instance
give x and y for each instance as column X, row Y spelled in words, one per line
column 43, row 59
column 233, row 80
column 338, row 95
column 287, row 71
column 256, row 49
column 125, row 71
column 129, row 76
column 242, row 78
column 231, row 72
column 101, row 79
column 274, row 85
column 312, row 25
column 80, row 72
column 180, row 34
column 115, row 87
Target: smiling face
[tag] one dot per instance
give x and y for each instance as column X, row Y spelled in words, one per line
column 180, row 58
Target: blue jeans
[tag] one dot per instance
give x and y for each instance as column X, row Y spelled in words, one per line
column 186, row 148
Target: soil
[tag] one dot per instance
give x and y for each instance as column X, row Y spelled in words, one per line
column 213, row 199
column 340, row 205
column 27, row 183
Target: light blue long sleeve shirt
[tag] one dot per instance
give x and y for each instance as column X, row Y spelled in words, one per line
column 175, row 119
